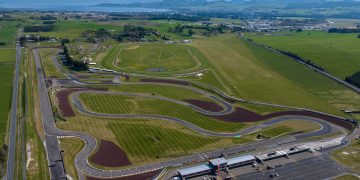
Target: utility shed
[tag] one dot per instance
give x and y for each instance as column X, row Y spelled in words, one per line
column 239, row 161
column 194, row 171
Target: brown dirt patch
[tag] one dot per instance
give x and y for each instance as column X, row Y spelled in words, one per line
column 64, row 104
column 209, row 106
column 169, row 81
column 110, row 155
column 144, row 176
column 82, row 76
column 244, row 115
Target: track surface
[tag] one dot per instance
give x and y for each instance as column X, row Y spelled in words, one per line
column 81, row 162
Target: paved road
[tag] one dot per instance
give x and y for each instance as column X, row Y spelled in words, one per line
column 228, row 108
column 325, row 126
column 57, row 170
column 13, row 120
column 53, row 151
column 74, row 81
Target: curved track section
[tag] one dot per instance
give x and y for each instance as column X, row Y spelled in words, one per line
column 326, row 128
column 81, row 162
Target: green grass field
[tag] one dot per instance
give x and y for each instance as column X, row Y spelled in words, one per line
column 73, row 29
column 7, row 32
column 289, row 127
column 50, row 70
column 116, row 104
column 154, row 58
column 349, row 156
column 7, row 60
column 255, row 73
column 71, row 148
column 337, row 53
column 172, row 92
column 148, row 140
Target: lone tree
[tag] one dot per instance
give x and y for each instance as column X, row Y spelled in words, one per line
column 190, row 32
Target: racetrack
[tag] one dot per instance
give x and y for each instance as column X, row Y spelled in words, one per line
column 81, row 160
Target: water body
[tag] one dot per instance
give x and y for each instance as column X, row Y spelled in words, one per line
column 76, row 8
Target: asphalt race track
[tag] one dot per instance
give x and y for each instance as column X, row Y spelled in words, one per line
column 52, row 133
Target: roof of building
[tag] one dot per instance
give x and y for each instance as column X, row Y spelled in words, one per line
column 272, row 155
column 218, row 161
column 195, row 169
column 240, row 159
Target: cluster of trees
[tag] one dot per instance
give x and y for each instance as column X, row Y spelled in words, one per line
column 94, row 35
column 77, row 65
column 297, row 57
column 44, row 28
column 135, row 33
column 2, row 43
column 179, row 17
column 354, row 79
column 344, row 30
column 49, row 22
column 3, row 155
column 47, row 17
column 33, row 38
column 358, row 36
column 207, row 30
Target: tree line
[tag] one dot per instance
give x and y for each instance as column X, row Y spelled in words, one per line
column 76, row 64
column 39, row 28
column 354, row 79
column 344, row 30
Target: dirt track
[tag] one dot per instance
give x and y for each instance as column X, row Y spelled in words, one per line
column 209, row 106
column 110, row 155
column 64, row 104
column 244, row 115
column 169, row 81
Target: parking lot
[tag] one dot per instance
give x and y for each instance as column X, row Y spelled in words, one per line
column 305, row 165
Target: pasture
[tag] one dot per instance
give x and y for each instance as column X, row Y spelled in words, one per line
column 255, row 73
column 337, row 53
column 7, row 66
column 7, row 32
column 73, row 29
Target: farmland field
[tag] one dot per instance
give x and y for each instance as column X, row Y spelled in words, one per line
column 7, row 59
column 337, row 53
column 250, row 72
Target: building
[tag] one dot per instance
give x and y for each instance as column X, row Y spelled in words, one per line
column 297, row 149
column 271, row 155
column 218, row 164
column 215, row 166
column 240, row 161
column 194, row 171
